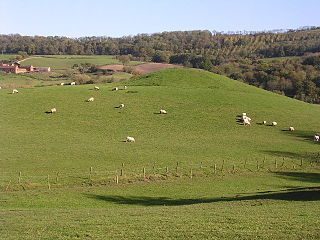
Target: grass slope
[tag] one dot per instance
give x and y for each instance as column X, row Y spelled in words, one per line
column 200, row 127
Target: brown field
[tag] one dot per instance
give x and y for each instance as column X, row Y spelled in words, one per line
column 113, row 67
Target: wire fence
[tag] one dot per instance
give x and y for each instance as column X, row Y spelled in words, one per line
column 23, row 180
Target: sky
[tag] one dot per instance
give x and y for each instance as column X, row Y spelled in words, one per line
column 80, row 18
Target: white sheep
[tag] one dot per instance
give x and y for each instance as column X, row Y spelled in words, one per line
column 246, row 121
column 274, row 123
column 264, row 122
column 53, row 110
column 73, row 83
column 125, row 87
column 115, row 89
column 61, row 84
column 162, row 111
column 316, row 137
column 244, row 114
column 0, row 87
column 130, row 139
column 14, row 91
column 121, row 105
column 291, row 129
column 90, row 99
column 96, row 88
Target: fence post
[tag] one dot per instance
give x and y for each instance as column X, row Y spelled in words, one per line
column 144, row 173
column 91, row 169
column 57, row 177
column 167, row 170
column 301, row 162
column 19, row 179
column 48, row 181
column 258, row 165
column 245, row 163
column 215, row 168
column 177, row 168
column 233, row 168
column 222, row 165
column 121, row 172
column 275, row 163
column 190, row 173
column 117, row 179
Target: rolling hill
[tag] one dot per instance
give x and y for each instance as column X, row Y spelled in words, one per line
column 207, row 175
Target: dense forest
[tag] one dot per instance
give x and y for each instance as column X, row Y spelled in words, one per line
column 239, row 55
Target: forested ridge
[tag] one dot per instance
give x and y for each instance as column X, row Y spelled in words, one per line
column 239, row 55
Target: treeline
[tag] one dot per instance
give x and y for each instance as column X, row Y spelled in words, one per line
column 147, row 47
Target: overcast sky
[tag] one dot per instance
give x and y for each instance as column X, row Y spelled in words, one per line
column 78, row 18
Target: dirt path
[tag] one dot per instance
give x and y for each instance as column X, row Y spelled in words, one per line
column 27, row 59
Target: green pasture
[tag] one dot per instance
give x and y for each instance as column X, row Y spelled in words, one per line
column 63, row 62
column 194, row 173
column 7, row 56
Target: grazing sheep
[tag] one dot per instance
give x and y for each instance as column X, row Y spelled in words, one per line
column 291, row 129
column 316, row 137
column 125, row 87
column 163, row 111
column 14, row 91
column 244, row 114
column 90, row 99
column 115, row 89
column 130, row 139
column 73, row 83
column 274, row 123
column 264, row 122
column 121, row 105
column 53, row 110
column 61, row 84
column 246, row 121
column 96, row 88
column 0, row 87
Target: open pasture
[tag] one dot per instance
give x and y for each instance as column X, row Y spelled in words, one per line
column 265, row 185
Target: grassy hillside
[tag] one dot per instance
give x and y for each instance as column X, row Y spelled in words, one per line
column 247, row 181
column 63, row 62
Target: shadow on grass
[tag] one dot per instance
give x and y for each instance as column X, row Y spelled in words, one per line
column 303, row 135
column 300, row 176
column 311, row 157
column 296, row 194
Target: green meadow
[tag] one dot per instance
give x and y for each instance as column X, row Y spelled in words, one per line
column 194, row 173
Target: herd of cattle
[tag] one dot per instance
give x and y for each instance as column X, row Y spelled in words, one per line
column 246, row 120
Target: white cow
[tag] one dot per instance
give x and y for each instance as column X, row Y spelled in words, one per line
column 274, row 123
column 130, row 139
column 73, row 83
column 162, row 111
column 96, row 88
column 291, row 129
column 53, row 110
column 14, row 91
column 90, row 99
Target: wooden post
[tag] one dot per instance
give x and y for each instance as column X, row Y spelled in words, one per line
column 215, row 168
column 154, row 170
column 264, row 162
column 167, row 170
column 190, row 173
column 117, row 179
column 122, row 165
column 275, row 163
column 121, row 172
column 57, row 177
column 90, row 173
column 144, row 173
column 48, row 181
column 19, row 179
column 222, row 165
column 245, row 163
column 258, row 165
column 177, row 168
column 301, row 162
column 233, row 168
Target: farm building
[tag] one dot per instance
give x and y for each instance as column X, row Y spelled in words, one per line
column 16, row 68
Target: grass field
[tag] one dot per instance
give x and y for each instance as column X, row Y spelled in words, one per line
column 247, row 182
column 64, row 62
column 7, row 56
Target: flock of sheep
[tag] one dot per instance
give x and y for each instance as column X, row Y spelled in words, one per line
column 244, row 118
column 91, row 99
column 247, row 122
